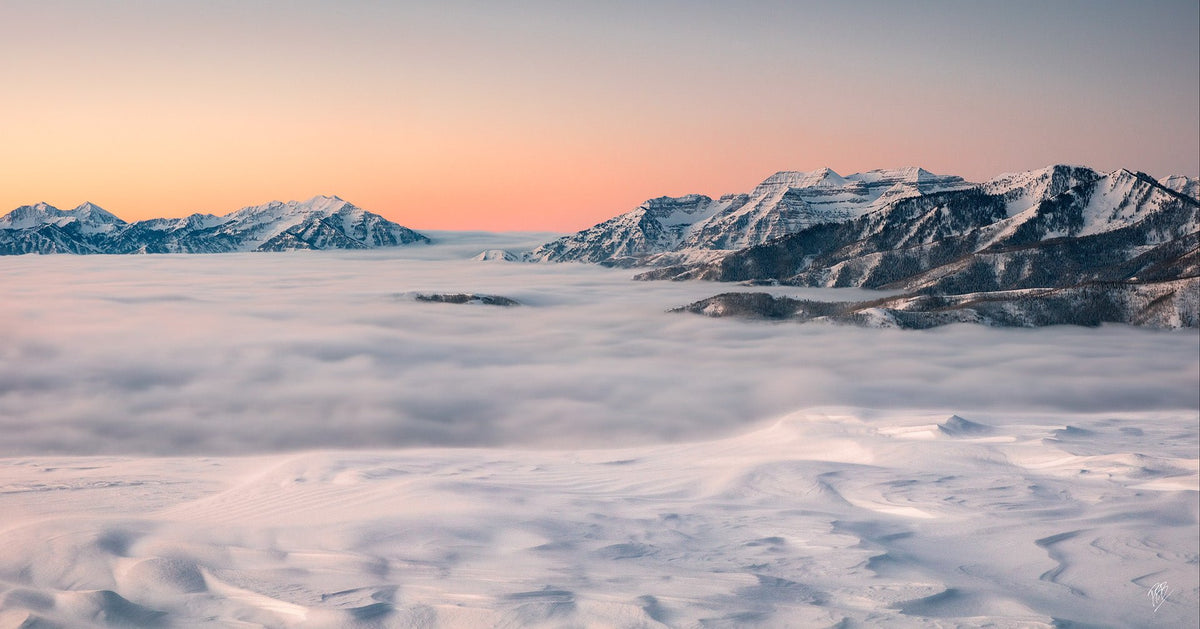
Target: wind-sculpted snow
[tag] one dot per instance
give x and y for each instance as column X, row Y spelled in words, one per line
column 820, row 518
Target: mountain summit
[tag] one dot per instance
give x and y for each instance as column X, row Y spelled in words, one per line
column 1061, row 244
column 322, row 222
column 693, row 226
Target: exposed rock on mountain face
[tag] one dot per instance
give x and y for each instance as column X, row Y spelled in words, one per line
column 43, row 228
column 1022, row 191
column 1117, row 227
column 1063, row 244
column 882, row 227
column 787, row 202
column 656, row 226
column 1170, row 304
column 318, row 223
column 89, row 217
column 692, row 225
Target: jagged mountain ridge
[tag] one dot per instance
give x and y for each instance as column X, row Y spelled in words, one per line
column 1114, row 227
column 322, row 222
column 95, row 218
column 691, row 226
column 1057, row 246
column 1117, row 246
column 789, row 201
column 695, row 230
column 1188, row 186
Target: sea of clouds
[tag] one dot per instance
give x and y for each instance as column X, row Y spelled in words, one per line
column 251, row 353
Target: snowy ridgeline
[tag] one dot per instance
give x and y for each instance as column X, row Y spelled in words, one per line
column 907, row 207
column 1112, row 247
column 1065, row 227
column 1064, row 245
column 318, row 223
column 910, row 206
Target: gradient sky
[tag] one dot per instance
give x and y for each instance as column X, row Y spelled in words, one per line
column 556, row 115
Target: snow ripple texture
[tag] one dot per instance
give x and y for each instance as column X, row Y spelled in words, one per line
column 821, row 518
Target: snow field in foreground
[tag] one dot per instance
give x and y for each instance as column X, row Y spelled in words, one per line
column 881, row 519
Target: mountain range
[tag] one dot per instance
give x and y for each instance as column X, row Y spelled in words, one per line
column 1062, row 244
column 322, row 222
column 784, row 203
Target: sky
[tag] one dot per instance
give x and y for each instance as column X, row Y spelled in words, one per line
column 557, row 115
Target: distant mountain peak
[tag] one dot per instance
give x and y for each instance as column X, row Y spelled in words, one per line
column 909, row 173
column 1187, row 186
column 92, row 213
column 783, row 203
column 321, row 222
column 41, row 206
column 31, row 215
column 322, row 204
column 785, row 179
column 905, row 174
column 1173, row 179
column 325, row 199
column 1065, row 167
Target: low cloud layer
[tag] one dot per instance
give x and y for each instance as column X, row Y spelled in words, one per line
column 246, row 353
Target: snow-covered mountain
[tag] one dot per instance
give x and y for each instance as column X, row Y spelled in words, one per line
column 691, row 227
column 1188, row 186
column 1021, row 191
column 789, row 201
column 1113, row 226
column 319, row 223
column 1133, row 242
column 89, row 217
column 695, row 230
column 322, row 222
column 43, row 228
column 656, row 226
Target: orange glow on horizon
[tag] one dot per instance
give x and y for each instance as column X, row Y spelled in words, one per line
column 556, row 117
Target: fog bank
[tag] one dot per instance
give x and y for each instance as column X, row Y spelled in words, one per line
column 248, row 353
